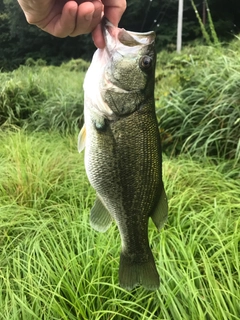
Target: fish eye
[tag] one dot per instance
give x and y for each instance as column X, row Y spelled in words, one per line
column 145, row 62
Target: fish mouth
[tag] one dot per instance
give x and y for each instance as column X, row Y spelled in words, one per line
column 114, row 35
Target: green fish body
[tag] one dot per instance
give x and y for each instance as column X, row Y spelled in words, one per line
column 123, row 150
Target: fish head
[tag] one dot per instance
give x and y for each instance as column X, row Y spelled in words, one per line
column 130, row 57
column 122, row 73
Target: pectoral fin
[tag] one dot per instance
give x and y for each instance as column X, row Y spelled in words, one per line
column 82, row 139
column 160, row 213
column 100, row 218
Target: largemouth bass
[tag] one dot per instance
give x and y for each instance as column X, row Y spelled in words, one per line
column 122, row 149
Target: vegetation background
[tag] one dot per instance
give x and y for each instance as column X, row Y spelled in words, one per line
column 52, row 265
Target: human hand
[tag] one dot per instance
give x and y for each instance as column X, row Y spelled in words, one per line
column 63, row 18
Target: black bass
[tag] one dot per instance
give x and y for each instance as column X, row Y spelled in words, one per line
column 122, row 149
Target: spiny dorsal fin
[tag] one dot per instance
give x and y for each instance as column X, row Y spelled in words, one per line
column 160, row 213
column 100, row 218
column 82, row 139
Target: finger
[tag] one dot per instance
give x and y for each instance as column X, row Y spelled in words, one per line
column 97, row 37
column 88, row 17
column 113, row 10
column 75, row 19
column 63, row 24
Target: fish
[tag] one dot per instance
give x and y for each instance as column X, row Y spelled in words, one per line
column 123, row 157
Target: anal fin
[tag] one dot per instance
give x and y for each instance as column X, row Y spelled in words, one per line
column 160, row 213
column 100, row 218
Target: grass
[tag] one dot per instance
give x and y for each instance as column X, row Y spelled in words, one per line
column 197, row 102
column 53, row 266
column 43, row 98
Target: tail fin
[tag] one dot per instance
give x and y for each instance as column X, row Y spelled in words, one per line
column 132, row 274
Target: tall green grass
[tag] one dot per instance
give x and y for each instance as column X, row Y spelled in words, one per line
column 54, row 266
column 198, row 102
column 43, row 98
